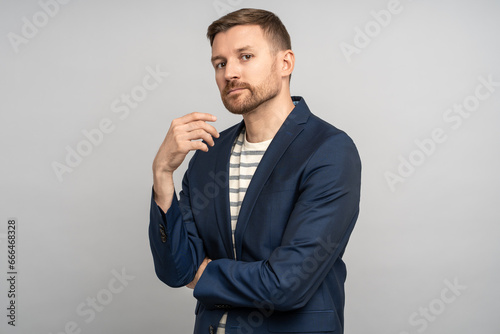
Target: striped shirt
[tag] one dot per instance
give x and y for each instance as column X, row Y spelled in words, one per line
column 244, row 160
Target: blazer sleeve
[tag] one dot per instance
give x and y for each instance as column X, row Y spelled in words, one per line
column 315, row 237
column 175, row 244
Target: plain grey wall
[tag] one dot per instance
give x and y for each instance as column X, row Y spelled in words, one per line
column 414, row 83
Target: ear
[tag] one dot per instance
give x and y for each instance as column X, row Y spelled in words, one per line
column 287, row 62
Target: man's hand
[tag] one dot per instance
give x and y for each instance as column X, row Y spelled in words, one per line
column 200, row 271
column 183, row 136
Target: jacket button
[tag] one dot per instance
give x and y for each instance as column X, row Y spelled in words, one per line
column 211, row 329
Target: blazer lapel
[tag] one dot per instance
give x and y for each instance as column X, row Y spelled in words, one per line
column 222, row 209
column 290, row 129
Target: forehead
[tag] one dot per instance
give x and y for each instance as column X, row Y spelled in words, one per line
column 239, row 37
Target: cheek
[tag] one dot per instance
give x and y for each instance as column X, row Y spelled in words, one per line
column 221, row 82
column 259, row 73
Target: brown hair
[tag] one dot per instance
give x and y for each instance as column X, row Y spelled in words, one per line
column 272, row 26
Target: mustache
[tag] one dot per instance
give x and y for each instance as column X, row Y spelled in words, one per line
column 234, row 85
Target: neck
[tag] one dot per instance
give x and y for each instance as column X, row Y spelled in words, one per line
column 263, row 123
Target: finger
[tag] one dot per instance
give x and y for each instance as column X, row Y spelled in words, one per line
column 197, row 116
column 199, row 134
column 196, row 145
column 202, row 125
column 181, row 122
column 201, row 130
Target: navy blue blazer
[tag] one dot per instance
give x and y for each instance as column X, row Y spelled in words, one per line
column 292, row 230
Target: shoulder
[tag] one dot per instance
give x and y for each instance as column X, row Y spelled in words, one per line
column 321, row 136
column 331, row 146
column 315, row 128
column 324, row 134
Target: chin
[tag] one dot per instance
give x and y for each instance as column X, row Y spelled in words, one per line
column 234, row 106
column 237, row 111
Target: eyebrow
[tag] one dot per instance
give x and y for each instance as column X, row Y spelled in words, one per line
column 239, row 50
column 213, row 59
column 245, row 48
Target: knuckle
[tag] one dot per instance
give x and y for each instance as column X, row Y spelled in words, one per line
column 193, row 126
column 194, row 115
column 176, row 137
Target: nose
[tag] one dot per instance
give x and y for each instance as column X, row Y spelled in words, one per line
column 232, row 71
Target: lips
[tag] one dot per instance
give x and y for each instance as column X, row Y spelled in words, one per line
column 232, row 88
column 235, row 90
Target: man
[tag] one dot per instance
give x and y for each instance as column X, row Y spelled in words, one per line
column 267, row 206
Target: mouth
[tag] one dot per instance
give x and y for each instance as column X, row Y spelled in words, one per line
column 235, row 90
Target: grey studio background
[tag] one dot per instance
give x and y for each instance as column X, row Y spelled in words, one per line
column 88, row 91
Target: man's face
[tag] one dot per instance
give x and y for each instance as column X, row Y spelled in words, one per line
column 245, row 68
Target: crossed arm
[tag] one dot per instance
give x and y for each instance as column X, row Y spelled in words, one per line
column 317, row 232
column 183, row 136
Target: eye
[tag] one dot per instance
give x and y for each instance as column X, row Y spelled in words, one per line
column 246, row 57
column 220, row 65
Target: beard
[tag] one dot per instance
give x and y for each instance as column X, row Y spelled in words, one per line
column 251, row 97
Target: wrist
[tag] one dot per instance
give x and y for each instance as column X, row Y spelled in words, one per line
column 163, row 187
column 162, row 176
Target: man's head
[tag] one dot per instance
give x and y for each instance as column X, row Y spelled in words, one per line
column 252, row 57
column 271, row 25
